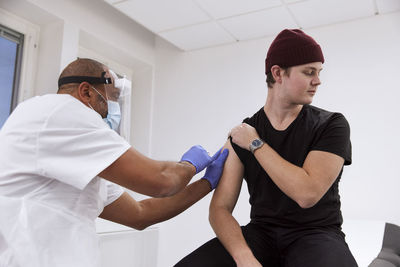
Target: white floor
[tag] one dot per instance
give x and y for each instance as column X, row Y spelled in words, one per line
column 364, row 239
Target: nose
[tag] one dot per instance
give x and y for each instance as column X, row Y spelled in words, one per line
column 316, row 81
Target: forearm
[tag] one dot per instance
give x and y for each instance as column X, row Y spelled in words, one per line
column 294, row 181
column 176, row 176
column 155, row 210
column 230, row 235
column 147, row 176
column 139, row 215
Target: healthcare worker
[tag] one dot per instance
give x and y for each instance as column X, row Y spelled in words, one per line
column 55, row 151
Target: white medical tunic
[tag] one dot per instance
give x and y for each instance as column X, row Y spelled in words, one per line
column 51, row 149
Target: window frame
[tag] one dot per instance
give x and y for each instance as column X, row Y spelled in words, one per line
column 18, row 38
column 27, row 72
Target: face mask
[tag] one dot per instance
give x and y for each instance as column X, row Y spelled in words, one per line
column 113, row 118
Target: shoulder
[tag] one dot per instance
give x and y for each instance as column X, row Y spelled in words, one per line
column 332, row 133
column 69, row 112
column 34, row 113
column 48, row 105
column 324, row 117
column 253, row 120
column 317, row 112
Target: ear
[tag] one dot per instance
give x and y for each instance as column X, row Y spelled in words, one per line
column 84, row 92
column 277, row 73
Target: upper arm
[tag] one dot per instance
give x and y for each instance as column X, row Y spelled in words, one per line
column 228, row 189
column 136, row 172
column 323, row 167
column 327, row 157
column 335, row 138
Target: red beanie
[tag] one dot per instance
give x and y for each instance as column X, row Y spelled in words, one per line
column 292, row 48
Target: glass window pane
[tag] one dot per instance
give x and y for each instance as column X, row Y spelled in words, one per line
column 8, row 54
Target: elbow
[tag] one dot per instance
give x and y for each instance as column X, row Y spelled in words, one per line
column 308, row 201
column 139, row 221
column 140, row 226
column 306, row 204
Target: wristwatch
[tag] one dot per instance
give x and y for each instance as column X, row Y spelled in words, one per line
column 256, row 144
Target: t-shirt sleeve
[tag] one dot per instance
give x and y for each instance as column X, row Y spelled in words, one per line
column 335, row 138
column 114, row 191
column 75, row 145
column 240, row 152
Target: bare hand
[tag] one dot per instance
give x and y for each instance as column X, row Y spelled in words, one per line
column 243, row 135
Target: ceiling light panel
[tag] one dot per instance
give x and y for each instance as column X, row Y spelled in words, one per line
column 163, row 15
column 226, row 8
column 314, row 13
column 259, row 24
column 385, row 6
column 198, row 36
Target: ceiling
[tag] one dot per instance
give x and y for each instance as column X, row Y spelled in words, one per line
column 196, row 24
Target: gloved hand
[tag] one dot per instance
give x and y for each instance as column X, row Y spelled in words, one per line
column 198, row 157
column 214, row 171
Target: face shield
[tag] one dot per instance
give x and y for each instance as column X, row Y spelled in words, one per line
column 119, row 106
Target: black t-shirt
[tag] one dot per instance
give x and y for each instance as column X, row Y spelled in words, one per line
column 313, row 129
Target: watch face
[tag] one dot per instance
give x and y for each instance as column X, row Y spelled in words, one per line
column 256, row 142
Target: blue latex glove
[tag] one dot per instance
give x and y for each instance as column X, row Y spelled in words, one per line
column 214, row 171
column 198, row 157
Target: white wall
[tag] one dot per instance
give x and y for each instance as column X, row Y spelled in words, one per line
column 200, row 95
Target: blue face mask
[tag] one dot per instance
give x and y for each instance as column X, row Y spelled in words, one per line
column 113, row 118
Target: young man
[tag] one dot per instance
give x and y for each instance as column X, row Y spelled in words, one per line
column 291, row 155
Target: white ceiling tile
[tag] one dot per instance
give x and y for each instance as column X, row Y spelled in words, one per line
column 385, row 6
column 163, row 15
column 226, row 8
column 313, row 13
column 198, row 36
column 259, row 24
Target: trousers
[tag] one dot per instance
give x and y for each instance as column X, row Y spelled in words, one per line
column 280, row 247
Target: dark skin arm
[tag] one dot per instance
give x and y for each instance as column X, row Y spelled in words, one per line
column 141, row 214
column 146, row 176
